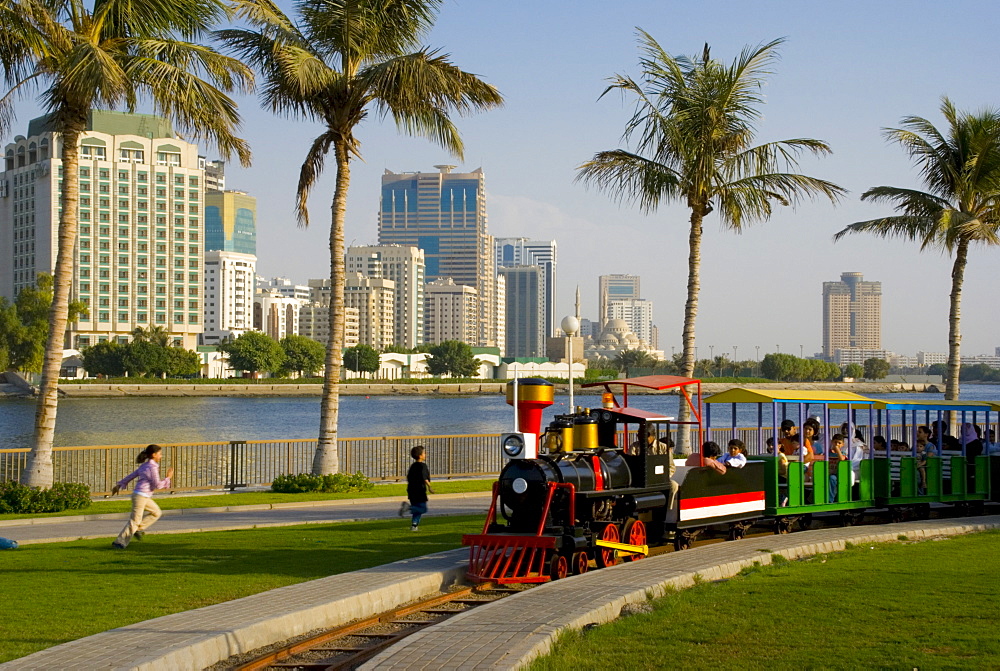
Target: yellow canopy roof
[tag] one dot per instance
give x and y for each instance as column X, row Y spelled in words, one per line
column 907, row 404
column 741, row 395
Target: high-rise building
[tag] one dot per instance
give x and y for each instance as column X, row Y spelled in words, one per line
column 215, row 174
column 614, row 287
column 314, row 322
column 374, row 298
column 637, row 313
column 230, row 222
column 405, row 267
column 138, row 261
column 542, row 253
column 444, row 214
column 230, row 284
column 525, row 327
column 852, row 314
column 451, row 312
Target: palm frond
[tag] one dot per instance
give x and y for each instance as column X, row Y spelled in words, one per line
column 627, row 176
column 310, row 171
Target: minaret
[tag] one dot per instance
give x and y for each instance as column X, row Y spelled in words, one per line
column 577, row 315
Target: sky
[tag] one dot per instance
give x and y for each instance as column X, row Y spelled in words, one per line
column 847, row 70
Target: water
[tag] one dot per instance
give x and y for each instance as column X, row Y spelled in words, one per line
column 123, row 421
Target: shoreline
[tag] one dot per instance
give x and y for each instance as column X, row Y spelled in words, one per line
column 442, row 389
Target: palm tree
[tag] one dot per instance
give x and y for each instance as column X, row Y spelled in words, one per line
column 629, row 359
column 338, row 62
column 694, row 132
column 108, row 54
column 960, row 168
column 154, row 334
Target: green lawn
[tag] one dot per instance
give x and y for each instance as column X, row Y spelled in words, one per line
column 927, row 605
column 59, row 592
column 168, row 502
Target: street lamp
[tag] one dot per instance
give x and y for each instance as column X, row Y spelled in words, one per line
column 801, row 355
column 570, row 325
column 757, row 347
column 734, row 359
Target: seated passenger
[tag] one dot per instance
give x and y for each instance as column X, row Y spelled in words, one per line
column 836, row 456
column 879, row 446
column 737, row 456
column 810, row 434
column 712, row 453
column 787, row 430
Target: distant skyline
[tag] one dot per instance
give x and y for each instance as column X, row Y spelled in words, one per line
column 847, row 70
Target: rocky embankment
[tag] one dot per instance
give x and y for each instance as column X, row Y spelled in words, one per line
column 403, row 389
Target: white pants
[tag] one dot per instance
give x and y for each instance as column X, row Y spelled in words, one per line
column 140, row 504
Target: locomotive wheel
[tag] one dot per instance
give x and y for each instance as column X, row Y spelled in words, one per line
column 897, row 514
column 558, row 567
column 924, row 511
column 634, row 533
column 606, row 556
column 805, row 522
column 580, row 562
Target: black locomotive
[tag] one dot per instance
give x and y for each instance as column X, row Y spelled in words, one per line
column 600, row 485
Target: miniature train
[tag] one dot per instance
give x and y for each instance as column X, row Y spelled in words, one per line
column 601, row 485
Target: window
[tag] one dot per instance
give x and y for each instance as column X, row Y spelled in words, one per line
column 93, row 153
column 167, row 158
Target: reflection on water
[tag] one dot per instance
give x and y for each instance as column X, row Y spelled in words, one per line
column 121, row 421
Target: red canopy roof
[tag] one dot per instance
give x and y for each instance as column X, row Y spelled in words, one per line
column 658, row 382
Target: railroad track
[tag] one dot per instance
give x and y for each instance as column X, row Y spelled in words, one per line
column 350, row 645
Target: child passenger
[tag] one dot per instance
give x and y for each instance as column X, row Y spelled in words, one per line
column 737, row 455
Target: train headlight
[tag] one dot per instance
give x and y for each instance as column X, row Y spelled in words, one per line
column 520, row 486
column 519, row 445
column 513, row 445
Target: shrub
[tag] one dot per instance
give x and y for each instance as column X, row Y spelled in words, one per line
column 20, row 499
column 334, row 483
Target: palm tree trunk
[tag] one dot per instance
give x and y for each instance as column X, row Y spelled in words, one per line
column 690, row 313
column 38, row 470
column 327, row 458
column 954, row 318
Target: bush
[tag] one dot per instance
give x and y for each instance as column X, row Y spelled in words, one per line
column 334, row 483
column 20, row 499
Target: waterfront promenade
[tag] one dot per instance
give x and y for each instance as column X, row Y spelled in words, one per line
column 505, row 635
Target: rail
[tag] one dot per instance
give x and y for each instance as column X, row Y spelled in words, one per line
column 252, row 463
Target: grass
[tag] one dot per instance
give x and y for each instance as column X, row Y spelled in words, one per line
column 928, row 605
column 167, row 502
column 59, row 592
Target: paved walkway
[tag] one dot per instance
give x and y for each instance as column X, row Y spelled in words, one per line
column 225, row 518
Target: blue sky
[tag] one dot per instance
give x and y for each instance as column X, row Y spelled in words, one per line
column 847, row 70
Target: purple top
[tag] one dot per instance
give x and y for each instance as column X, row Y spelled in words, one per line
column 147, row 478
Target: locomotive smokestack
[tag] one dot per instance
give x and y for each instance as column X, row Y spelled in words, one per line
column 533, row 395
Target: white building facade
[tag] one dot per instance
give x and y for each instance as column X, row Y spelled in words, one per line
column 637, row 313
column 229, row 295
column 450, row 312
column 139, row 255
column 404, row 265
column 374, row 299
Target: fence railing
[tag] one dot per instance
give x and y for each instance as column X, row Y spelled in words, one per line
column 254, row 463
column 251, row 463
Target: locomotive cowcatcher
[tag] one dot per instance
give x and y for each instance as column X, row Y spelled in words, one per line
column 600, row 485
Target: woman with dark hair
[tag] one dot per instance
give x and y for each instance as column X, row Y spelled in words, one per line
column 147, row 480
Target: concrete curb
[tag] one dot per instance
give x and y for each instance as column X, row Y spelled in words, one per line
column 70, row 519
column 511, row 633
column 199, row 638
